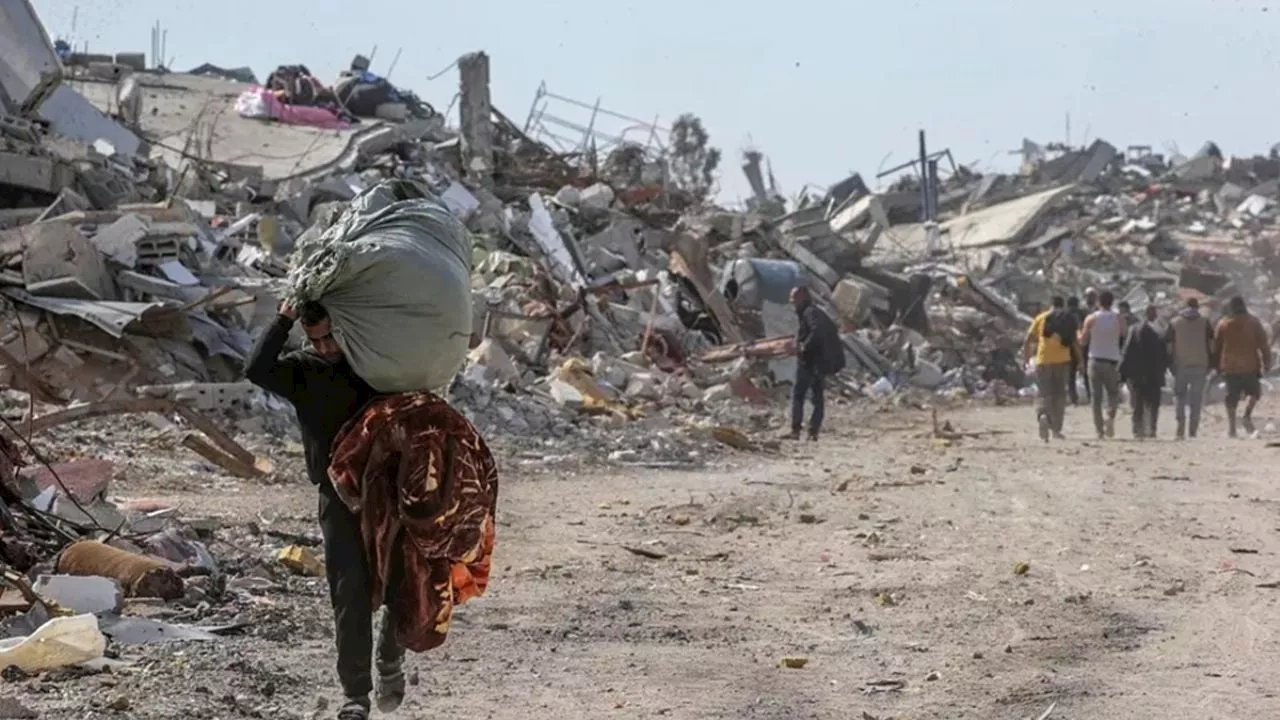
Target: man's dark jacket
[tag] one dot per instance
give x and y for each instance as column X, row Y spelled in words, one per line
column 1146, row 356
column 325, row 394
column 818, row 344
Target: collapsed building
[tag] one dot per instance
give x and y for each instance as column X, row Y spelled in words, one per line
column 147, row 219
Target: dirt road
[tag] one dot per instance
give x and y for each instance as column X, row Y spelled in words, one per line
column 887, row 559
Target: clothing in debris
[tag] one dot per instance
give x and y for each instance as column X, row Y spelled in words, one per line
column 295, row 85
column 1190, row 340
column 326, row 395
column 820, row 353
column 424, row 485
column 1146, row 359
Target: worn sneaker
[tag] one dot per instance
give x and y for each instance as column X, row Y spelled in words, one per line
column 1044, row 427
column 1246, row 422
column 791, row 435
column 1111, row 427
column 354, row 709
column 389, row 689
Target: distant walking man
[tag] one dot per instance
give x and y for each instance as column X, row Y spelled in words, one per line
column 1190, row 341
column 1090, row 305
column 1244, row 354
column 1145, row 360
column 1078, row 315
column 1103, row 333
column 1052, row 339
column 819, row 353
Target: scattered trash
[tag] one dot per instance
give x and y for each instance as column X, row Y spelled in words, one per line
column 882, row 686
column 301, row 560
column 60, row 642
column 1021, row 568
column 793, row 662
column 138, row 575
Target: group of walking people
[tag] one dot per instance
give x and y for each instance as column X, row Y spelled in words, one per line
column 1110, row 346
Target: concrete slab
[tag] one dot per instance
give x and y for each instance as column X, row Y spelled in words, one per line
column 29, row 68
column 81, row 593
column 174, row 106
column 999, row 224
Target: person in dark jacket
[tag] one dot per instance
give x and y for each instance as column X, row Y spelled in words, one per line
column 1077, row 315
column 1145, row 360
column 326, row 392
column 819, row 353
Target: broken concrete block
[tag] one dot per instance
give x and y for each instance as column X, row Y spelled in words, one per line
column 33, row 172
column 644, row 386
column 490, row 355
column 460, row 201
column 569, row 195
column 609, row 371
column 598, row 196
column 566, row 395
column 60, row 262
column 119, row 240
column 87, row 480
column 1253, row 205
column 81, row 593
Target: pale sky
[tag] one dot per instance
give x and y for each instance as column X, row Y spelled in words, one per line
column 823, row 88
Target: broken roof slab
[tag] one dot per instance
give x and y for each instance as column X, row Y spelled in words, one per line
column 998, row 224
column 175, row 106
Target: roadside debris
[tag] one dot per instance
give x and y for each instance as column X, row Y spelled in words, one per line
column 301, row 560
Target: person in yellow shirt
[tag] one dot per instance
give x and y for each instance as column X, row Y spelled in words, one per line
column 1052, row 340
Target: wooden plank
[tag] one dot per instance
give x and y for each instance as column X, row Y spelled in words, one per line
column 220, row 438
column 123, row 406
column 767, row 348
column 231, row 464
column 713, row 300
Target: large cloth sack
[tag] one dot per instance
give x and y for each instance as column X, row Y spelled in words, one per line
column 394, row 273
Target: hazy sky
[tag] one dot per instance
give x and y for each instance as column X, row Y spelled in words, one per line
column 823, row 88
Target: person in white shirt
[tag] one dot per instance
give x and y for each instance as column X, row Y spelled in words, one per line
column 1103, row 333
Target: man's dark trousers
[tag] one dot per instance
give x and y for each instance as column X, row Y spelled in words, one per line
column 1144, row 398
column 808, row 382
column 347, row 567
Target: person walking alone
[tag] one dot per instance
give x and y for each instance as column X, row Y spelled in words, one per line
column 1145, row 361
column 1104, row 332
column 819, row 354
column 1051, row 338
column 1244, row 354
column 1190, row 341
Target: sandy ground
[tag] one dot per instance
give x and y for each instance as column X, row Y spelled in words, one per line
column 887, row 559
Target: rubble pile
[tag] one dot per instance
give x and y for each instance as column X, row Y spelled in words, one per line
column 618, row 311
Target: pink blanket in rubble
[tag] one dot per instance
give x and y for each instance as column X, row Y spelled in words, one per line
column 261, row 104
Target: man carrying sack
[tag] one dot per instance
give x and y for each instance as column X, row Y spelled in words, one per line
column 408, row 488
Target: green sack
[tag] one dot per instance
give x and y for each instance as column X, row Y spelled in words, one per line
column 394, row 273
